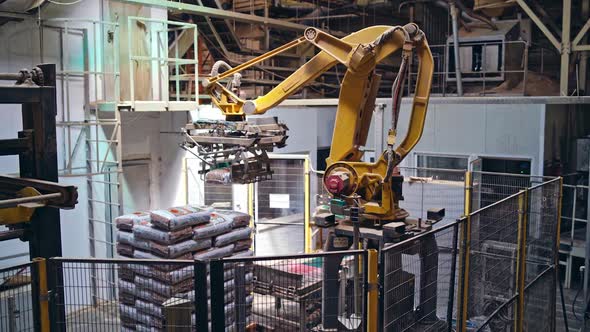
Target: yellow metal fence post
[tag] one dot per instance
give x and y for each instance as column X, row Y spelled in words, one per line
column 465, row 242
column 250, row 204
column 521, row 259
column 373, row 292
column 306, row 212
column 43, row 299
column 558, row 233
column 556, row 251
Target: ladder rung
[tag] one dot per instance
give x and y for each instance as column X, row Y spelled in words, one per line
column 105, row 182
column 103, row 202
column 103, row 161
column 103, row 140
column 100, row 221
column 101, row 241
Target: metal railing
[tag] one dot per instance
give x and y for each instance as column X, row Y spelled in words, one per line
column 155, row 60
column 574, row 219
column 483, row 74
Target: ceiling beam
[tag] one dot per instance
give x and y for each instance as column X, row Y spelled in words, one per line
column 580, row 35
column 539, row 24
column 217, row 13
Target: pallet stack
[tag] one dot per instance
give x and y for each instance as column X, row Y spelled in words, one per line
column 182, row 233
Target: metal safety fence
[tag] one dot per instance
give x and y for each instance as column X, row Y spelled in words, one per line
column 418, row 281
column 278, row 293
column 493, row 269
column 116, row 294
column 293, row 293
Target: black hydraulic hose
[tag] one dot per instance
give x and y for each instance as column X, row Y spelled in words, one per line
column 396, row 90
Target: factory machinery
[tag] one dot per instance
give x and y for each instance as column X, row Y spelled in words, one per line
column 238, row 146
column 364, row 203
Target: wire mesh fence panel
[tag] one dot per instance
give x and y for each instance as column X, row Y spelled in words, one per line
column 491, row 267
column 539, row 303
column 501, row 319
column 297, row 293
column 542, row 224
column 16, row 298
column 428, row 188
column 136, row 299
column 541, row 256
column 493, row 187
column 280, row 209
column 419, row 281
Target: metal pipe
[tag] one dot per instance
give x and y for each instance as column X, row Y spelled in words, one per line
column 584, row 55
column 454, row 19
column 14, row 202
column 454, row 252
column 565, row 48
column 217, row 13
column 10, row 76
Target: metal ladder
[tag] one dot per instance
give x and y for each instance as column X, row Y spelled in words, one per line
column 96, row 129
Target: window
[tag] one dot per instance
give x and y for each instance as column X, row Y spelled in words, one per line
column 435, row 164
column 512, row 166
column 446, row 162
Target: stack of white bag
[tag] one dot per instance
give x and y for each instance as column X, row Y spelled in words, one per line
column 182, row 233
column 230, row 235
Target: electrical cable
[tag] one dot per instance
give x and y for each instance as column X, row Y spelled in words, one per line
column 576, row 298
column 574, row 305
column 565, row 322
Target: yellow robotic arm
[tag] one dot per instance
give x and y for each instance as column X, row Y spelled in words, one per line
column 368, row 185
